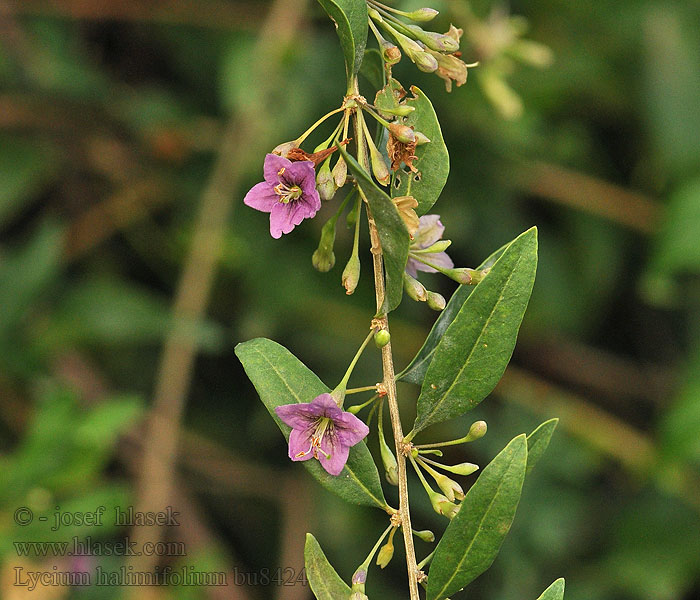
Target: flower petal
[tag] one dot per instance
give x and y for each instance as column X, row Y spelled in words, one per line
column 349, row 429
column 429, row 231
column 327, row 406
column 261, row 197
column 412, row 267
column 298, row 416
column 280, row 221
column 436, row 258
column 300, row 442
column 337, row 454
column 273, row 165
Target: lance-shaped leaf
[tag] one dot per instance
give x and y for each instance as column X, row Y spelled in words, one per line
column 393, row 234
column 476, row 347
column 432, row 159
column 281, row 378
column 373, row 67
column 415, row 371
column 325, row 583
column 350, row 17
column 554, row 591
column 538, row 441
column 474, row 536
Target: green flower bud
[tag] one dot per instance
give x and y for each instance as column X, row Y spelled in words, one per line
column 433, row 451
column 477, row 276
column 424, row 61
column 414, row 288
column 390, row 53
column 462, row 276
column 340, row 172
column 421, row 138
column 476, row 431
column 323, row 258
column 391, row 470
column 325, row 184
column 386, row 553
column 351, row 274
column 439, row 42
column 442, row 506
column 436, row 301
column 426, row 535
column 381, row 338
column 449, row 487
column 462, row 468
column 422, row 15
column 403, row 133
column 439, row 246
column 400, row 110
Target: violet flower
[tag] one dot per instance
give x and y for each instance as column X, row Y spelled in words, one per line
column 322, row 430
column 430, row 231
column 288, row 193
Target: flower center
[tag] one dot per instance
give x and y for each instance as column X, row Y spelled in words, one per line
column 323, row 425
column 286, row 192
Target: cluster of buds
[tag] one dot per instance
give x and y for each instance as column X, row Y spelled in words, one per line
column 431, row 52
column 447, row 501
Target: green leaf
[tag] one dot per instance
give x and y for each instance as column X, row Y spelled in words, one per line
column 538, row 441
column 325, row 583
column 350, row 18
column 476, row 347
column 554, row 591
column 373, row 68
column 432, row 159
column 474, row 536
column 415, row 371
column 281, row 378
column 393, row 234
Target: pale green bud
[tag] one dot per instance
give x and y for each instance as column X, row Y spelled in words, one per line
column 426, row 535
column 422, row 15
column 436, row 301
column 340, row 172
column 462, row 275
column 439, row 246
column 351, row 274
column 449, row 487
column 462, row 468
column 477, row 431
column 442, row 506
column 325, row 184
column 414, row 288
column 386, row 553
column 403, row 133
column 323, row 258
column 391, row 469
column 421, row 138
column 439, row 42
column 401, row 110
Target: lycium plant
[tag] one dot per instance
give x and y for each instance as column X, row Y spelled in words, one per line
column 394, row 171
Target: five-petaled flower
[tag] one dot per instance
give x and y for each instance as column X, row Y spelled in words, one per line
column 322, row 430
column 430, row 231
column 288, row 193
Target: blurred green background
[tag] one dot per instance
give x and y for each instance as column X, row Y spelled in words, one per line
column 582, row 119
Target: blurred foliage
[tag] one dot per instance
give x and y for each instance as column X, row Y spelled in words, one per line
column 108, row 129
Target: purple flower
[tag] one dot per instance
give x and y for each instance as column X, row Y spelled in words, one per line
column 322, row 430
column 430, row 231
column 288, row 193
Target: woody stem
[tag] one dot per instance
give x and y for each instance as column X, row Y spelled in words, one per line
column 390, row 386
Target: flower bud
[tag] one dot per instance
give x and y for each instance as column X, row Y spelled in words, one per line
column 386, row 553
column 462, row 468
column 284, row 148
column 439, row 246
column 391, row 470
column 340, row 172
column 462, row 276
column 433, row 451
column 403, row 133
column 325, row 184
column 323, row 258
column 422, row 15
column 351, row 274
column 442, row 506
column 449, row 487
column 400, row 110
column 359, row 576
column 440, row 42
column 476, row 431
column 358, row 596
column 390, row 53
column 424, row 61
column 379, row 169
column 477, row 276
column 426, row 535
column 421, row 138
column 414, row 288
column 436, row 301
column 381, row 338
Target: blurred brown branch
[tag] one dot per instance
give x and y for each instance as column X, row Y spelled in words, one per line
column 590, row 194
column 217, row 14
